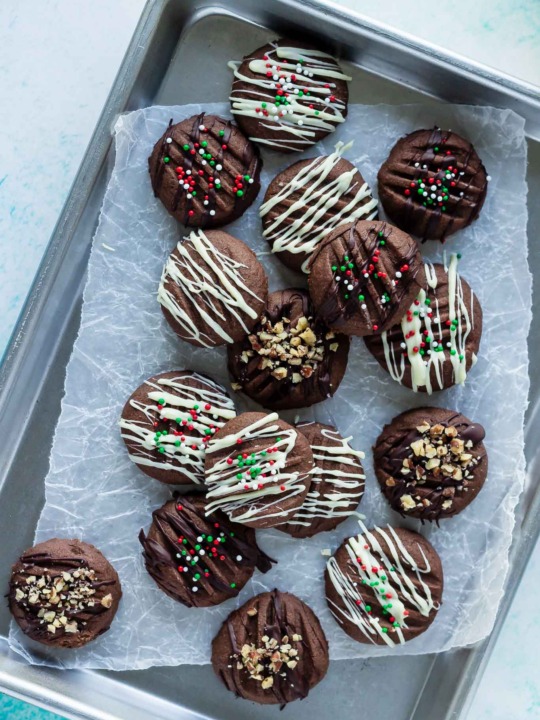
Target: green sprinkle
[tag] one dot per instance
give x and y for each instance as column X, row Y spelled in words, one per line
column 350, row 266
column 382, row 242
column 346, row 258
column 384, row 630
column 222, row 132
column 166, row 159
column 178, row 420
column 461, row 357
column 380, row 233
column 458, row 256
column 185, row 147
column 436, row 149
column 300, row 93
column 161, row 449
column 367, row 608
column 343, row 268
column 239, row 476
column 395, row 623
column 361, row 298
column 427, row 301
column 195, row 407
column 263, row 105
column 247, row 178
column 346, row 296
column 452, row 351
column 177, row 443
column 185, row 542
column 334, row 268
column 212, row 163
column 204, row 143
column 239, row 193
column 233, row 585
column 197, row 576
column 316, row 112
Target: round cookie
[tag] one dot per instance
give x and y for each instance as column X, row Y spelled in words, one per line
column 436, row 343
column 384, row 586
column 290, row 359
column 199, row 561
column 167, row 422
column 257, row 470
column 205, row 171
column 288, row 96
column 63, row 593
column 364, row 276
column 272, row 650
column 308, row 200
column 432, row 184
column 337, row 482
column 430, row 462
column 213, row 289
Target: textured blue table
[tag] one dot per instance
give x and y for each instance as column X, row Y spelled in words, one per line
column 57, row 62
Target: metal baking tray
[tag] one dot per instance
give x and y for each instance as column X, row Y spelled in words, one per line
column 178, row 55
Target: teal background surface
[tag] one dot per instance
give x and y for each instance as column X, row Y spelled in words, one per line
column 13, row 709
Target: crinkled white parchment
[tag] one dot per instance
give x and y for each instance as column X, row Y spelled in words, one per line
column 95, row 493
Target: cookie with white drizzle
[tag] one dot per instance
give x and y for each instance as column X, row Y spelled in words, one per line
column 63, row 593
column 205, row 171
column 384, row 586
column 168, row 421
column 272, row 650
column 337, row 482
column 290, row 359
column 196, row 560
column 257, row 470
column 287, row 95
column 433, row 183
column 213, row 289
column 430, row 462
column 363, row 277
column 436, row 343
column 309, row 199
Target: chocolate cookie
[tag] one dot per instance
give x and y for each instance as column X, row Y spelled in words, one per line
column 430, row 462
column 63, row 593
column 337, row 482
column 167, row 422
column 199, row 561
column 308, row 200
column 205, row 171
column 213, row 289
column 272, row 650
column 384, row 586
column 433, row 184
column 364, row 276
column 288, row 95
column 435, row 345
column 257, row 470
column 290, row 359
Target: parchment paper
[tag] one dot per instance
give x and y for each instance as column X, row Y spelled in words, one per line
column 95, row 493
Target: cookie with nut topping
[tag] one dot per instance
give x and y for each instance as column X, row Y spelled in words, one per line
column 290, row 359
column 430, row 462
column 272, row 650
column 63, row 593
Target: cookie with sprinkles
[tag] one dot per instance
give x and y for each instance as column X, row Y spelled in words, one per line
column 63, row 593
column 364, row 276
column 308, row 200
column 384, row 586
column 167, row 422
column 287, row 95
column 205, row 171
column 272, row 650
column 337, row 482
column 199, row 561
column 257, row 470
column 430, row 462
column 433, row 184
column 213, row 289
column 290, row 359
column 437, row 341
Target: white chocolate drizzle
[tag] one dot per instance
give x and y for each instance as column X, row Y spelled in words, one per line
column 177, row 457
column 290, row 75
column 318, row 198
column 210, row 302
column 390, row 577
column 346, row 485
column 427, row 318
column 274, row 483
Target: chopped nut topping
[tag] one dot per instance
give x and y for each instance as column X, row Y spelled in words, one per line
column 265, row 662
column 283, row 346
column 252, row 611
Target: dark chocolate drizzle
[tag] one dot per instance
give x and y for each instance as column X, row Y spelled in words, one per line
column 190, row 522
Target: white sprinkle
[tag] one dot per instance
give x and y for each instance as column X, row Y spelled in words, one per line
column 188, row 172
column 433, row 187
column 403, row 345
column 201, row 151
column 199, row 539
column 276, row 78
column 363, row 306
column 448, row 344
column 238, row 558
column 189, row 196
column 203, row 162
column 212, row 212
column 461, row 194
column 366, row 275
column 416, row 164
column 433, row 195
column 178, row 555
column 201, row 127
column 425, row 194
column 219, row 167
column 439, row 198
column 338, row 278
column 462, row 173
column 194, row 589
column 488, row 178
column 250, row 181
column 169, row 140
column 205, row 202
column 300, row 122
column 350, row 287
column 202, row 552
column 424, row 167
column 398, row 274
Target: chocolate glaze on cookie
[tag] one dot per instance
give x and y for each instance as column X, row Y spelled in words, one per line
column 167, row 422
column 288, row 95
column 308, row 200
column 430, row 462
column 205, row 171
column 199, row 561
column 257, row 470
column 337, row 482
column 63, row 593
column 290, row 359
column 437, row 341
column 364, row 276
column 285, row 637
column 433, row 184
column 384, row 586
column 213, row 289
